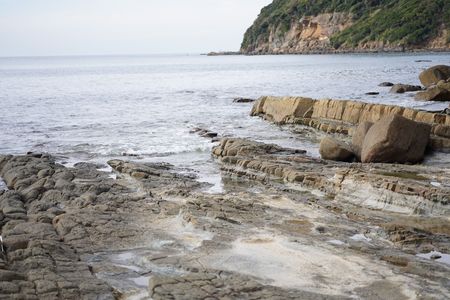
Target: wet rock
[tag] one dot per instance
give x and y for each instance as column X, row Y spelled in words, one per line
column 243, row 100
column 386, row 84
column 434, row 93
column 205, row 133
column 395, row 139
column 359, row 136
column 433, row 75
column 435, row 256
column 333, row 149
column 403, row 88
column 372, row 93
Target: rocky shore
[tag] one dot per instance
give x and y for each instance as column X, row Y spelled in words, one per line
column 289, row 226
column 286, row 226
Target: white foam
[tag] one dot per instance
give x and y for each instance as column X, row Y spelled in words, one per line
column 360, row 238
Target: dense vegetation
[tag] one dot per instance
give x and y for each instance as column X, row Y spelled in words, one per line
column 404, row 22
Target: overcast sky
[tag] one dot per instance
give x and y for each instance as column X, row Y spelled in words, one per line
column 76, row 27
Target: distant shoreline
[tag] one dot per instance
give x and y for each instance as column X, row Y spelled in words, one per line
column 327, row 52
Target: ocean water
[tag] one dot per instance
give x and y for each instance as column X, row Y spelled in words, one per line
column 101, row 107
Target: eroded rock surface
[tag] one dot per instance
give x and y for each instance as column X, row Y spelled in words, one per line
column 148, row 231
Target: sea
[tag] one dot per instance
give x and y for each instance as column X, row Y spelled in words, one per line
column 96, row 108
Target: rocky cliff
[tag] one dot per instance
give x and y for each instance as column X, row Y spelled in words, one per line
column 324, row 26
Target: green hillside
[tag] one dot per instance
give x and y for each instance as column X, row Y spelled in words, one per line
column 403, row 22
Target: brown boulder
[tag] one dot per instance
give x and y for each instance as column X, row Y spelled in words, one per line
column 358, row 137
column 433, row 93
column 434, row 74
column 395, row 139
column 332, row 149
column 403, row 88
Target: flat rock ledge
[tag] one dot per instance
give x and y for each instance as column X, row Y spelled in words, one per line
column 343, row 116
column 411, row 189
column 146, row 231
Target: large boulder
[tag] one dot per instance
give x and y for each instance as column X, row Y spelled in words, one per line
column 332, row 149
column 434, row 93
column 358, row 137
column 434, row 74
column 403, row 88
column 395, row 139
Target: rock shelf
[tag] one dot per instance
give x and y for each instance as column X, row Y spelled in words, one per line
column 288, row 227
column 343, row 116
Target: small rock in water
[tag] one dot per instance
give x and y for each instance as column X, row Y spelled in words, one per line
column 205, row 133
column 403, row 88
column 435, row 256
column 130, row 154
column 243, row 100
column 387, row 84
column 372, row 93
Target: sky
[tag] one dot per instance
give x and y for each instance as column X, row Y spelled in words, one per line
column 95, row 27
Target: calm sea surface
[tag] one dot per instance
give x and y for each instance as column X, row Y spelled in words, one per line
column 97, row 108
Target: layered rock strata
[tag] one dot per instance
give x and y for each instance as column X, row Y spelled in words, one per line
column 342, row 116
column 383, row 186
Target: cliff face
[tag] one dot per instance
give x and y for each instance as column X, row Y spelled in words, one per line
column 299, row 26
column 310, row 33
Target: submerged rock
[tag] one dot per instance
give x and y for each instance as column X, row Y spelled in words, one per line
column 395, row 139
column 403, row 88
column 433, row 75
column 333, row 149
column 386, row 84
column 243, row 100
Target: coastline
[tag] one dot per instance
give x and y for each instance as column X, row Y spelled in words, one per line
column 328, row 52
column 284, row 224
column 149, row 230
